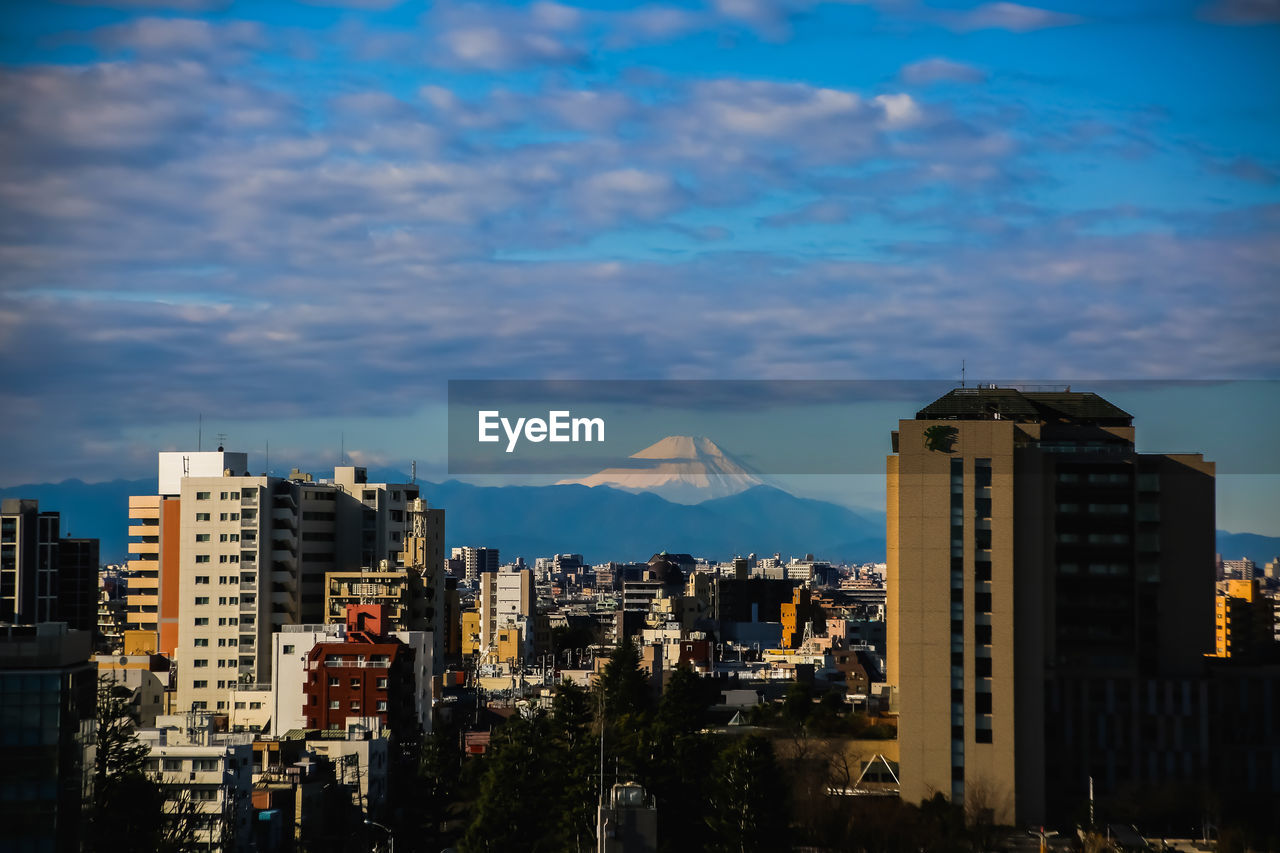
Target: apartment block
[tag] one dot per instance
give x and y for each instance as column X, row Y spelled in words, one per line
column 1043, row 576
column 506, row 600
column 208, row 779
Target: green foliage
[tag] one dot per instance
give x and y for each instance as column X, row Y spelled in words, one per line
column 127, row 805
column 624, row 685
column 748, row 809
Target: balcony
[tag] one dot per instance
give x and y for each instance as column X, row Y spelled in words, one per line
column 248, row 585
column 144, row 531
column 144, row 548
column 284, row 517
column 284, row 581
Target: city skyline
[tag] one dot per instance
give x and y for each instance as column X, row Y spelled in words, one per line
column 301, row 220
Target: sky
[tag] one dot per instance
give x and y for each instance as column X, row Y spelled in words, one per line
column 294, row 223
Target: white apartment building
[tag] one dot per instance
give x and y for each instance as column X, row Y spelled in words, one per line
column 207, row 773
column 251, row 557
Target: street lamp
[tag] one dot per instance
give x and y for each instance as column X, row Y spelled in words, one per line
column 391, row 839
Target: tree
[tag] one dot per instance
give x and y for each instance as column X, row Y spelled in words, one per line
column 624, row 685
column 520, row 806
column 127, row 804
column 749, row 805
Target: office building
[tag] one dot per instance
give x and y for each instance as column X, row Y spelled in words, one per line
column 43, row 577
column 48, row 701
column 1044, row 579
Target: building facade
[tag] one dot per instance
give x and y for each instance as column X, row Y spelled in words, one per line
column 1042, row 577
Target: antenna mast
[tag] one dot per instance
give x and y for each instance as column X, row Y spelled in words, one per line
column 962, row 373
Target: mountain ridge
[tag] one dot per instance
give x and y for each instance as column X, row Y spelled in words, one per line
column 601, row 523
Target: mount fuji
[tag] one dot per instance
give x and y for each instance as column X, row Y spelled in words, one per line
column 684, row 469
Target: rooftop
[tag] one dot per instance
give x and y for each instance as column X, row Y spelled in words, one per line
column 989, row 402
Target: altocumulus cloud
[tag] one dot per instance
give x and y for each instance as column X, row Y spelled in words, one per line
column 185, row 234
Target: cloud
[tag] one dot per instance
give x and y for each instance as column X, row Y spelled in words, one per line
column 174, row 5
column 491, row 38
column 181, row 36
column 938, row 70
column 1242, row 12
column 822, row 212
column 1013, row 17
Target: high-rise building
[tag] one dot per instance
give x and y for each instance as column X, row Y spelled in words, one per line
column 151, row 603
column 225, row 558
column 476, row 561
column 48, row 697
column 1045, row 583
column 43, row 577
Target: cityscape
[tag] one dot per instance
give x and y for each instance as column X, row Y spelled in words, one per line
column 299, row 663
column 639, row 426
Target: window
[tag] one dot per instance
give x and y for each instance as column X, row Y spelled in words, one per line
column 199, row 685
column 173, row 765
column 202, row 537
column 202, row 599
column 382, row 704
column 203, row 516
column 222, row 641
column 222, row 706
column 355, row 704
column 202, row 496
column 288, row 650
column 255, row 706
column 200, row 663
column 201, row 641
column 334, row 704
column 355, row 682
column 204, row 764
column 239, row 706
column 202, row 621
column 222, row 496
column 333, row 681
column 202, row 579
column 382, row 683
column 199, row 705
column 202, row 558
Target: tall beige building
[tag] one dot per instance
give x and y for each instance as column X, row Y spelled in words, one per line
column 252, row 553
column 1043, row 577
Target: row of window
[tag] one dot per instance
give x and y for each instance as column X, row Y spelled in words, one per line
column 203, row 642
column 202, row 663
column 334, row 681
column 222, row 599
column 228, row 496
column 202, row 621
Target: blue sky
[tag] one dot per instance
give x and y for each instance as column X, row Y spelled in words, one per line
column 303, row 219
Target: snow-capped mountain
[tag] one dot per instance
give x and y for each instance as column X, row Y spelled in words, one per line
column 685, row 469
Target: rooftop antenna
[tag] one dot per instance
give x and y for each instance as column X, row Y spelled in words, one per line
column 962, row 373
column 222, row 440
column 413, row 471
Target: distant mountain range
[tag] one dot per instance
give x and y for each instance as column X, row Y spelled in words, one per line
column 602, row 523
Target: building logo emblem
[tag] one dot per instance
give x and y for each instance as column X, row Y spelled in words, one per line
column 940, row 437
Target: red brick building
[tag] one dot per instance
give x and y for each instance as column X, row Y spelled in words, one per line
column 368, row 676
